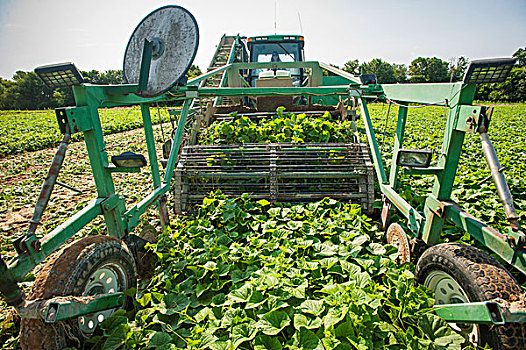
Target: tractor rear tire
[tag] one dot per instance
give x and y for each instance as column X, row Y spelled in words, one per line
column 93, row 265
column 460, row 273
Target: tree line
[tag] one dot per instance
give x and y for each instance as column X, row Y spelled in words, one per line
column 436, row 70
column 27, row 91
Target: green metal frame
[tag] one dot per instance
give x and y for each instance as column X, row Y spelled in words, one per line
column 121, row 221
column 439, row 207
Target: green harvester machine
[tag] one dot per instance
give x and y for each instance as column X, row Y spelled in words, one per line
column 84, row 282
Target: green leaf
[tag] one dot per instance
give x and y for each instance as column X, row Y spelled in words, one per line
column 313, row 307
column 437, row 330
column 159, row 339
column 273, row 322
column 240, row 295
column 222, row 345
column 264, row 342
column 256, row 300
column 305, row 339
column 263, row 202
column 376, row 248
column 303, row 321
column 145, row 300
column 117, row 338
column 334, row 316
column 243, row 332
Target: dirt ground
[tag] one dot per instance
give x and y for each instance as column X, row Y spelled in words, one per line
column 21, row 178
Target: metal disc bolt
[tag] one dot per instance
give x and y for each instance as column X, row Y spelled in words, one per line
column 157, row 48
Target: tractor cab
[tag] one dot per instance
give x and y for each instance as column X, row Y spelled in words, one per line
column 276, row 48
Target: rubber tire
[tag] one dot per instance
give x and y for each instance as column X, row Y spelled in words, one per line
column 66, row 274
column 482, row 278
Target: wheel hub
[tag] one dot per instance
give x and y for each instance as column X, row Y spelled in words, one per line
column 448, row 291
column 108, row 279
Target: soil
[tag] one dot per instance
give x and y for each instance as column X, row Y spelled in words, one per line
column 21, row 177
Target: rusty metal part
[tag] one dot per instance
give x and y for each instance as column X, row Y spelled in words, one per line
column 386, row 212
column 418, row 246
column 163, row 211
column 278, row 172
column 46, row 190
column 397, row 237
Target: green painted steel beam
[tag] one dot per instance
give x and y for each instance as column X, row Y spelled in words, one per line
column 278, row 65
column 488, row 236
column 174, row 152
column 485, row 312
column 67, row 309
column 263, row 147
column 423, row 171
column 150, row 144
column 435, row 93
column 415, row 219
column 23, row 264
column 274, row 91
column 373, row 144
column 353, row 79
column 132, row 216
column 398, row 143
column 479, row 312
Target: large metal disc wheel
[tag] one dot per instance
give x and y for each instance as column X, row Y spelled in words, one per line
column 458, row 273
column 91, row 266
column 396, row 237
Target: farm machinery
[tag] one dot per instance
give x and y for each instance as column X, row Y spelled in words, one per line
column 84, row 282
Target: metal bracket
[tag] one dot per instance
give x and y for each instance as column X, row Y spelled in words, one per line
column 486, row 312
column 473, row 118
column 436, row 206
column 65, row 308
column 77, row 117
column 110, row 203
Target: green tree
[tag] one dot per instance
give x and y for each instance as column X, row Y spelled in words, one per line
column 520, row 55
column 5, row 102
column 400, row 71
column 457, row 68
column 428, row 70
column 385, row 72
column 352, row 67
column 29, row 92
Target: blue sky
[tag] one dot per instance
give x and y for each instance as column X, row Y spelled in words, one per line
column 93, row 34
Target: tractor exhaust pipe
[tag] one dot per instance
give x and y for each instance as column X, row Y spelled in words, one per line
column 499, row 179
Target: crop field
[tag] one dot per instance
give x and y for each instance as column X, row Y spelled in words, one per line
column 247, row 274
column 24, row 131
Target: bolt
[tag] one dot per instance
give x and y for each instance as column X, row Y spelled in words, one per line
column 35, row 245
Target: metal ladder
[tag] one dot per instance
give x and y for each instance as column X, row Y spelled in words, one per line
column 220, row 58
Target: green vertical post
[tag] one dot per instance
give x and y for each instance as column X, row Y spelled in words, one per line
column 449, row 159
column 373, row 145
column 172, row 160
column 96, row 147
column 150, row 143
column 398, row 142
